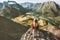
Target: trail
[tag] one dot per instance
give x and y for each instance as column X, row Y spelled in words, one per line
column 38, row 35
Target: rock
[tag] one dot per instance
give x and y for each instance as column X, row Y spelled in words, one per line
column 38, row 35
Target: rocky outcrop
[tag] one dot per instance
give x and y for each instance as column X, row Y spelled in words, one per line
column 38, row 35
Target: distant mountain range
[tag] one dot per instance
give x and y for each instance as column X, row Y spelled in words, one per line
column 33, row 6
column 30, row 6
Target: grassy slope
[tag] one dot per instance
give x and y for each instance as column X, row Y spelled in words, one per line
column 10, row 30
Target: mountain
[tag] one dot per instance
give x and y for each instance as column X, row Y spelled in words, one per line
column 12, row 9
column 27, row 6
column 14, row 4
column 10, row 30
column 50, row 10
column 30, row 6
column 1, row 6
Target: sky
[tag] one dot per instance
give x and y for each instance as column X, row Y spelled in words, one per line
column 33, row 1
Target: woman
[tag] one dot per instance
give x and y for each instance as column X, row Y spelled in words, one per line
column 34, row 24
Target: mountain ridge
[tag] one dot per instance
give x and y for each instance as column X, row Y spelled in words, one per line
column 12, row 10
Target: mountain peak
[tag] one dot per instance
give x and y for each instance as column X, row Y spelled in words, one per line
column 12, row 2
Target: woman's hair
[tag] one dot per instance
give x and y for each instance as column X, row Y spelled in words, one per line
column 36, row 20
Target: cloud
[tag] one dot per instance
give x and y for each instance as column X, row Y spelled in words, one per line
column 2, row 0
column 34, row 1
